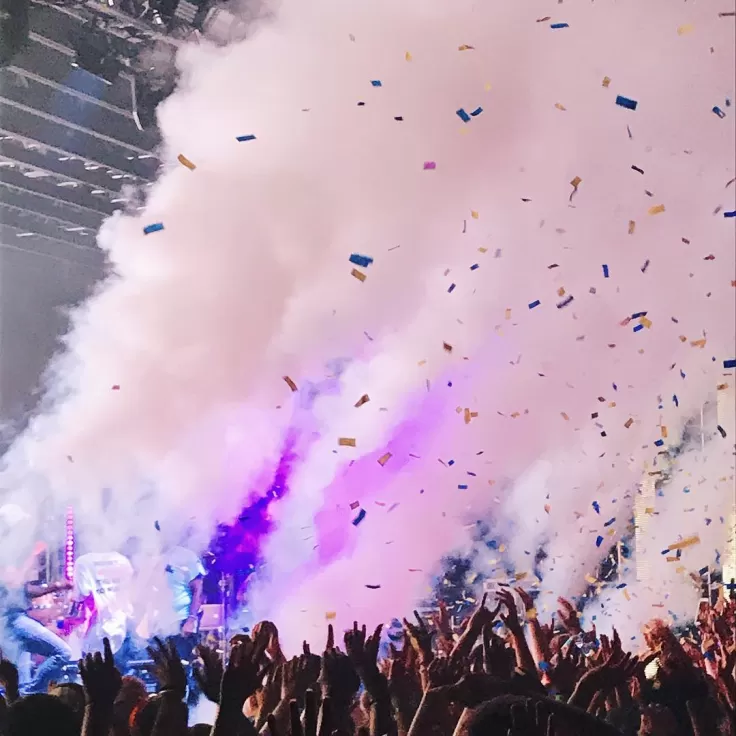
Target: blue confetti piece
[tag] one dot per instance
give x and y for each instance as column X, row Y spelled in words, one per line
column 376, row 83
column 708, row 521
column 567, row 300
column 596, row 506
column 682, row 373
column 557, row 26
column 730, row 363
column 359, row 517
column 244, row 138
column 615, row 387
column 476, row 112
column 599, row 541
column 658, row 443
column 157, row 526
column 156, row 227
column 462, row 487
column 359, row 260
column 544, row 666
column 645, row 266
column 474, row 267
column 717, row 110
column 686, row 489
column 675, row 400
column 665, row 551
column 638, row 327
column 629, row 104
column 463, row 115
column 605, row 271
column 450, row 462
column 535, row 303
column 732, row 213
column 451, row 289
column 620, row 585
column 718, row 557
column 610, row 521
column 638, row 314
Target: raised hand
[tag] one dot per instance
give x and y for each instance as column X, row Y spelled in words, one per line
column 168, row 669
column 244, row 673
column 569, row 616
column 511, row 619
column 362, row 650
column 100, row 677
column 420, row 639
column 209, row 674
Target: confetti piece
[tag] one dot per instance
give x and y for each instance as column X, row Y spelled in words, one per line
column 535, row 303
column 465, row 47
column 697, row 343
column 364, row 399
column 184, row 161
column 463, row 115
column 359, row 260
column 451, row 288
column 476, row 112
column 721, row 430
column 567, row 300
column 599, row 541
column 629, row 104
column 116, row 387
column 157, row 526
column 376, row 83
column 606, row 81
column 429, row 165
column 358, row 274
column 656, row 209
column 447, row 347
column 684, row 543
column 645, row 322
column 730, row 363
column 628, row 422
column 359, row 517
column 346, row 442
column 658, row 443
column 384, row 459
column 610, row 521
column 156, row 227
column 645, row 266
column 576, row 182
column 408, row 56
column 330, row 615
column 290, row 383
column 244, row 138
column 354, row 505
column 632, row 226
column 508, row 314
column 730, row 214
column 372, row 587
column 474, row 267
column 675, row 400
column 596, row 507
column 717, row 110
column 462, row 487
column 636, row 168
column 605, row 271
column 557, row 26
column 560, row 106
column 682, row 30
column 474, row 214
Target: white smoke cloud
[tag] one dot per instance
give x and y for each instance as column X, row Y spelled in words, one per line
column 250, row 281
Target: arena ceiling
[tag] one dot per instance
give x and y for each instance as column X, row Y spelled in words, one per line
column 70, row 140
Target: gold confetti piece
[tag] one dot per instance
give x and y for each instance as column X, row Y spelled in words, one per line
column 467, row 416
column 626, row 595
column 698, row 343
column 663, row 431
column 364, row 399
column 330, row 616
column 447, row 347
column 487, row 86
column 474, row 214
column 384, row 459
column 680, row 569
column 346, row 442
column 560, row 106
column 531, row 614
column 606, row 81
column 611, row 404
column 632, row 226
column 508, row 314
column 421, row 363
column 564, row 416
column 358, row 275
column 290, row 383
column 576, row 182
column 722, row 386
column 646, row 322
column 465, row 47
column 515, row 414
column 649, row 510
column 483, row 250
column 687, row 542
column 561, row 291
column 591, row 580
column 407, row 56
column 683, row 338
column 656, row 209
column 184, row 161
column 628, row 422
column 458, row 409
column 683, row 30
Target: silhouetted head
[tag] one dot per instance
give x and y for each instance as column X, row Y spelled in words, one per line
column 41, row 715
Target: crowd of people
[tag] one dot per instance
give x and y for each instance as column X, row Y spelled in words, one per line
column 501, row 671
